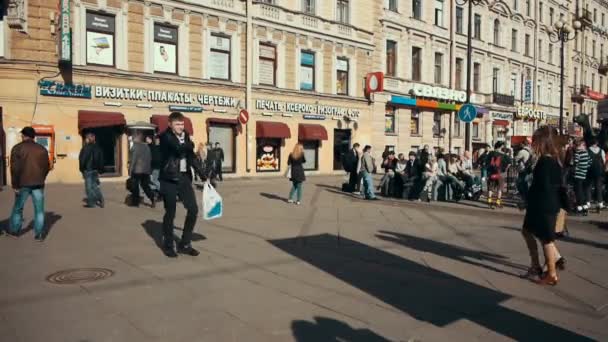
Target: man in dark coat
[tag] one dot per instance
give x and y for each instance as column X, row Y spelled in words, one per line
column 29, row 168
column 219, row 159
column 140, row 168
column 91, row 165
column 351, row 165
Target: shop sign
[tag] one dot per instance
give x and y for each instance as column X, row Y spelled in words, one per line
column 131, row 94
column 501, row 115
column 526, row 113
column 595, row 95
column 314, row 117
column 188, row 109
column 65, row 34
column 424, row 90
column 528, row 91
column 306, row 108
column 52, row 88
column 552, row 120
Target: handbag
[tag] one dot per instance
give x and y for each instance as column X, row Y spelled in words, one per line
column 288, row 172
column 130, row 184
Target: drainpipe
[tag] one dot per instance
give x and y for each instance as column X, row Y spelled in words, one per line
column 248, row 98
column 452, row 67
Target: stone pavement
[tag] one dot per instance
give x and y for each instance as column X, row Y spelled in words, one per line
column 333, row 269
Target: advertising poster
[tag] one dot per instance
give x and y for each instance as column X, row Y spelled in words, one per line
column 268, row 158
column 100, row 39
column 165, row 49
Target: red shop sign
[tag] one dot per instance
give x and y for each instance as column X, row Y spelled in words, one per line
column 595, row 95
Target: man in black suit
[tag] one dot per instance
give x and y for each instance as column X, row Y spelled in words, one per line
column 351, row 165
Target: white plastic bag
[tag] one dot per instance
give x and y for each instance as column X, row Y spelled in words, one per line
column 213, row 206
column 288, row 173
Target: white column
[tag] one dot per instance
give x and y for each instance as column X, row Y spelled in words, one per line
column 183, row 46
column 352, row 76
column 79, row 34
column 206, row 38
column 235, row 55
column 297, row 68
column 122, row 37
column 319, row 75
column 281, row 65
column 256, row 58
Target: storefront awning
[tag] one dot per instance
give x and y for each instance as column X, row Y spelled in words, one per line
column 162, row 122
column 504, row 123
column 311, row 132
column 266, row 129
column 95, row 119
column 224, row 121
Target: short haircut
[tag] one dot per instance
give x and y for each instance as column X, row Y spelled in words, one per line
column 356, row 145
column 412, row 153
column 176, row 116
column 217, row 143
column 367, row 148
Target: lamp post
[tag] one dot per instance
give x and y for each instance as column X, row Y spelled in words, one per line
column 467, row 130
column 563, row 32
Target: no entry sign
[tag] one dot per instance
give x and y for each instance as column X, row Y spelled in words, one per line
column 243, row 116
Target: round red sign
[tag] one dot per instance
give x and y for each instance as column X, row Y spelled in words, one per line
column 243, row 116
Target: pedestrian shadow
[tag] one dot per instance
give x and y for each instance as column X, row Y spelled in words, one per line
column 418, row 290
column 325, row 329
column 338, row 191
column 154, row 229
column 569, row 238
column 273, row 197
column 50, row 219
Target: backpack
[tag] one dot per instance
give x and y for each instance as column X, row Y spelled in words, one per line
column 495, row 166
column 597, row 164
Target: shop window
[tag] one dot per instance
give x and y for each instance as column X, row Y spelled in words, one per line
column 100, row 38
column 268, row 64
column 342, row 76
column 457, row 125
column 165, row 49
column 436, row 125
column 476, row 130
column 459, row 20
column 109, row 140
column 307, row 71
column 416, row 63
column 224, row 134
column 389, row 121
column 311, row 153
column 391, row 58
column 219, row 57
column 415, row 122
column 268, row 155
column 343, row 12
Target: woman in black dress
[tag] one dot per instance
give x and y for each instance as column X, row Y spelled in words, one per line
column 296, row 162
column 544, row 205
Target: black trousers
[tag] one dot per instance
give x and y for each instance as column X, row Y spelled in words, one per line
column 170, row 191
column 218, row 165
column 595, row 184
column 353, row 180
column 581, row 191
column 142, row 180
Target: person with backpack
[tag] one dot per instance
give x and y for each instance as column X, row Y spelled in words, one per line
column 595, row 174
column 524, row 162
column 581, row 168
column 496, row 163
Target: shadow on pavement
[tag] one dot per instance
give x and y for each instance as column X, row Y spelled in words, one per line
column 330, row 330
column 154, row 229
column 569, row 238
column 50, row 219
column 273, row 197
column 424, row 293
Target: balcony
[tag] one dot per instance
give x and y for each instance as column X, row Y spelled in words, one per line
column 603, row 68
column 579, row 95
column 223, row 3
column 503, row 99
column 586, row 18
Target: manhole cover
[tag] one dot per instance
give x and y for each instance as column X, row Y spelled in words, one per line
column 79, row 275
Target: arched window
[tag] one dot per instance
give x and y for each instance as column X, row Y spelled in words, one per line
column 496, row 32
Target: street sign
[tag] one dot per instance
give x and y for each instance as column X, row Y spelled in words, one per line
column 467, row 113
column 243, row 116
column 65, row 42
column 528, row 91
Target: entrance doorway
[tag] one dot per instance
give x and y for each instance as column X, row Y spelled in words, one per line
column 224, row 134
column 109, row 140
column 342, row 140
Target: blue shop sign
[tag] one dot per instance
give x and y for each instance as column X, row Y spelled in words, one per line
column 188, row 109
column 52, row 88
column 314, row 117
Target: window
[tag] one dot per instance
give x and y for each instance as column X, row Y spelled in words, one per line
column 540, row 12
column 308, row 6
column 527, row 45
column 550, row 53
column 219, row 57
column 100, row 45
column 438, row 67
column 551, row 16
column 307, row 70
column 592, row 81
column 495, row 80
column 476, row 76
column 497, row 32
column 593, row 48
column 417, row 9
column 516, row 5
column 539, row 91
column 475, row 130
column 514, row 92
column 389, row 120
column 437, row 124
column 595, row 15
column 415, row 122
column 575, row 79
column 601, row 84
column 439, row 12
column 268, row 155
column 311, row 154
column 457, row 130
column 528, row 8
column 267, row 64
column 459, row 20
column 343, row 12
column 459, row 67
column 477, row 31
column 391, row 58
column 549, row 97
column 392, row 5
column 540, row 49
column 514, row 40
column 342, row 76
column 165, row 49
column 416, row 63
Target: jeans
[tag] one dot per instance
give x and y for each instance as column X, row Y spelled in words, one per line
column 16, row 220
column 142, row 180
column 154, row 182
column 170, row 191
column 368, row 185
column 296, row 189
column 91, row 186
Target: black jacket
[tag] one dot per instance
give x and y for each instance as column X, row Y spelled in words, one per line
column 91, row 158
column 172, row 151
column 412, row 169
column 156, row 156
column 297, row 168
column 544, row 194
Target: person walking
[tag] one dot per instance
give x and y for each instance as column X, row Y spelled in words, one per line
column 29, row 168
column 140, row 168
column 523, row 161
column 544, row 204
column 178, row 159
column 367, row 169
column 156, row 163
column 91, row 166
column 582, row 161
column 219, row 160
column 351, row 163
column 496, row 162
column 595, row 175
column 296, row 161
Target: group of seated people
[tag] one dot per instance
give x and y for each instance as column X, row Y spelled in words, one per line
column 427, row 176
